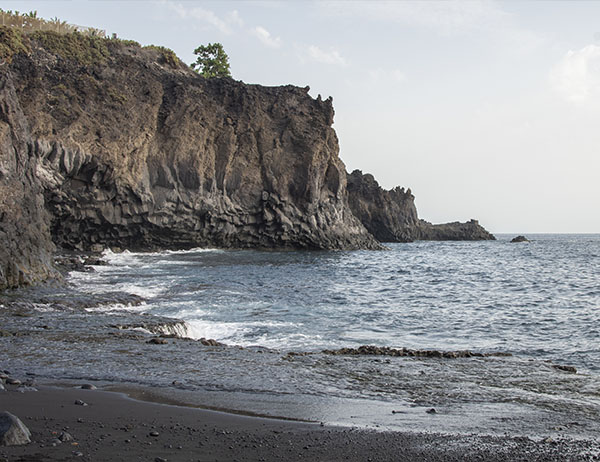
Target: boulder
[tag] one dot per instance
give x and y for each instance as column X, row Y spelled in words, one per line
column 519, row 239
column 12, row 431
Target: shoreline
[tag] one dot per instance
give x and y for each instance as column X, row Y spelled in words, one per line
column 114, row 427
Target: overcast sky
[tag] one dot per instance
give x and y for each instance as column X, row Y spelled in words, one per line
column 485, row 109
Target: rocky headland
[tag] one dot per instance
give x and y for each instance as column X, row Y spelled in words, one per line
column 391, row 215
column 105, row 143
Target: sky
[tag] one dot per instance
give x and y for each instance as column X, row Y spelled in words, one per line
column 485, row 109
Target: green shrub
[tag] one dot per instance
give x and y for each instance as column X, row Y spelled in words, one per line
column 12, row 42
column 168, row 55
column 84, row 49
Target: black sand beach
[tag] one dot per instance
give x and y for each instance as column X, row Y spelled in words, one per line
column 114, row 427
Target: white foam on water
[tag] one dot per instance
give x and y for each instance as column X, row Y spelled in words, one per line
column 42, row 308
column 117, row 307
column 288, row 340
column 228, row 332
column 190, row 251
column 127, row 258
column 140, row 290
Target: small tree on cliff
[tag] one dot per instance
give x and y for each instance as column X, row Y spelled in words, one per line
column 212, row 61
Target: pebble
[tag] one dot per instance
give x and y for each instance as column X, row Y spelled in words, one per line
column 431, row 411
column 80, row 403
column 159, row 459
column 11, row 381
column 155, row 434
column 64, row 437
column 88, row 386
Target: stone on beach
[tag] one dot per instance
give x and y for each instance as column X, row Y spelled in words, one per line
column 64, row 437
column 12, row 431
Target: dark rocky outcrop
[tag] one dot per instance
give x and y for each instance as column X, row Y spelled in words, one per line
column 519, row 239
column 123, row 148
column 468, row 231
column 391, row 216
column 373, row 350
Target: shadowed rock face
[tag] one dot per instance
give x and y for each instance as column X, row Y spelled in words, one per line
column 391, row 216
column 25, row 244
column 135, row 153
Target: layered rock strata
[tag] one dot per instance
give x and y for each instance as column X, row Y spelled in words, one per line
column 391, row 216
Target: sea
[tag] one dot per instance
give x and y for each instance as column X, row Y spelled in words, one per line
column 530, row 313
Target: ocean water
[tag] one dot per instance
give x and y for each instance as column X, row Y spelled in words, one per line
column 537, row 301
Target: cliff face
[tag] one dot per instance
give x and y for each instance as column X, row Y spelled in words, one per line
column 391, row 216
column 25, row 244
column 124, row 148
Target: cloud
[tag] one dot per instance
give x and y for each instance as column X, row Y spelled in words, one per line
column 447, row 18
column 206, row 16
column 266, row 38
column 444, row 15
column 380, row 75
column 326, row 57
column 576, row 77
column 234, row 18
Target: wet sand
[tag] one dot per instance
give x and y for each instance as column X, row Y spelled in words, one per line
column 114, row 427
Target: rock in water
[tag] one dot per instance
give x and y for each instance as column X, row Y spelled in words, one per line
column 519, row 239
column 12, row 431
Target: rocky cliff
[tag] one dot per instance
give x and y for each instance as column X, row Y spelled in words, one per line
column 391, row 216
column 106, row 143
column 25, row 244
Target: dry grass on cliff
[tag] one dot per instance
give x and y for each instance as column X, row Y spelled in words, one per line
column 86, row 46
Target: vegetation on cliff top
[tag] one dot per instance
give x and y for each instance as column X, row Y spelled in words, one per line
column 212, row 61
column 12, row 42
column 84, row 45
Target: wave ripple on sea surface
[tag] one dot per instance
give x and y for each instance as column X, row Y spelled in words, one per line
column 538, row 301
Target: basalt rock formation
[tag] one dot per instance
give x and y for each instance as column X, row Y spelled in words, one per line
column 106, row 143
column 391, row 216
